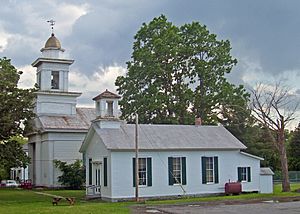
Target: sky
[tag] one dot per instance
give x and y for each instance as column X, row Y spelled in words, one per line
column 98, row 35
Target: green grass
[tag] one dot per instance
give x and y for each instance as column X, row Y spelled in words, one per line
column 23, row 201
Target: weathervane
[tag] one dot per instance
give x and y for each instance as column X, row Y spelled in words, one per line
column 52, row 23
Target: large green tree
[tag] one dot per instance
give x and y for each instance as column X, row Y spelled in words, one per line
column 177, row 73
column 15, row 112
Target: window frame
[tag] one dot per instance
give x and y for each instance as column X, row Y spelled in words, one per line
column 244, row 174
column 210, row 169
column 210, row 162
column 55, row 76
column 144, row 171
column 175, row 164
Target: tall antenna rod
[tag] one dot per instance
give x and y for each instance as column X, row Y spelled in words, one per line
column 52, row 23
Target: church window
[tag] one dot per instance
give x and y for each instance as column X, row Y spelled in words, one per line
column 55, row 80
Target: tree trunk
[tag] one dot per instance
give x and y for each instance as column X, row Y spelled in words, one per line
column 284, row 167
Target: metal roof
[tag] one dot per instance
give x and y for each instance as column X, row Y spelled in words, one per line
column 53, row 42
column 168, row 137
column 80, row 121
column 266, row 171
column 107, row 94
column 251, row 156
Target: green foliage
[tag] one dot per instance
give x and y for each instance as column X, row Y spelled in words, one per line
column 15, row 112
column 177, row 74
column 294, row 150
column 257, row 141
column 12, row 155
column 16, row 104
column 73, row 175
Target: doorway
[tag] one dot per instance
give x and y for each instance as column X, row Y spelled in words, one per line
column 97, row 178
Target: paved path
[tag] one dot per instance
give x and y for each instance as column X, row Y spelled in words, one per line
column 275, row 205
column 260, row 208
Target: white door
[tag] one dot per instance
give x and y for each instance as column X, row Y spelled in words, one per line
column 97, row 178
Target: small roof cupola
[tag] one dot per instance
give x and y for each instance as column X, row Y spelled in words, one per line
column 107, row 105
column 52, row 48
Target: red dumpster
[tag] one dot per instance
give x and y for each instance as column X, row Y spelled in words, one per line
column 233, row 188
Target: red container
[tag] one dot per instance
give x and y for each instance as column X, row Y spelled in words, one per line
column 26, row 184
column 233, row 188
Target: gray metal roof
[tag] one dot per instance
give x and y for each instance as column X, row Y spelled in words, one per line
column 266, row 171
column 168, row 137
column 80, row 121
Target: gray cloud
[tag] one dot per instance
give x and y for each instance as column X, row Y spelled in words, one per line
column 263, row 32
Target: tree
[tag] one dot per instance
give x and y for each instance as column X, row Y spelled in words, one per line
column 15, row 112
column 16, row 103
column 177, row 74
column 73, row 175
column 294, row 150
column 12, row 155
column 274, row 108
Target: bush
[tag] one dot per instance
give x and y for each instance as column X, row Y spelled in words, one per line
column 73, row 175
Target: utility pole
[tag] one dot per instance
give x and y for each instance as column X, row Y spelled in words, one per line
column 136, row 159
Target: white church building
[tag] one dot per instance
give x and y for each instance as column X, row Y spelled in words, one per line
column 60, row 126
column 173, row 160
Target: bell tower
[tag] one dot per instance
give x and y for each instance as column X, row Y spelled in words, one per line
column 52, row 75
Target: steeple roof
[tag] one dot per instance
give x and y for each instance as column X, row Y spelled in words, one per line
column 53, row 42
column 107, row 94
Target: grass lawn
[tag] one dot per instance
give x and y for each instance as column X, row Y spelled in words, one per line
column 26, row 201
column 23, row 201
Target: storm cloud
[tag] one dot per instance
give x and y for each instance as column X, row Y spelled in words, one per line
column 264, row 35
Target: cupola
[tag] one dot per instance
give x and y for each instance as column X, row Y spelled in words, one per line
column 52, row 48
column 52, row 42
column 107, row 105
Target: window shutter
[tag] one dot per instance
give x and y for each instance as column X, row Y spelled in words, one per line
column 183, row 161
column 170, row 168
column 203, row 161
column 105, row 171
column 149, row 172
column 216, row 170
column 239, row 174
column 249, row 174
column 90, row 172
column 133, row 171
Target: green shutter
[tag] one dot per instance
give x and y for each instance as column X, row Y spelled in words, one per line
column 239, row 174
column 90, row 171
column 203, row 162
column 83, row 159
column 216, row 170
column 183, row 162
column 249, row 174
column 170, row 168
column 149, row 172
column 105, row 171
column 133, row 171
